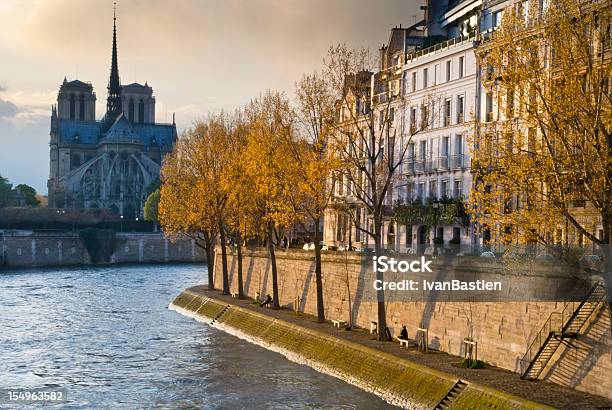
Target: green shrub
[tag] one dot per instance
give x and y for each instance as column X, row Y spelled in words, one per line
column 473, row 364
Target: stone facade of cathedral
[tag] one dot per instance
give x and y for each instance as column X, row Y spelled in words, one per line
column 106, row 163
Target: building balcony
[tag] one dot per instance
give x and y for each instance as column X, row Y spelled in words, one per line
column 430, row 166
column 419, row 166
column 447, row 120
column 442, row 163
column 409, row 167
column 457, row 162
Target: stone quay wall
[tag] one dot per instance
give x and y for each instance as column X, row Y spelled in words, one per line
column 502, row 330
column 396, row 380
column 27, row 249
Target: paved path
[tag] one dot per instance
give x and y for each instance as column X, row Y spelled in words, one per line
column 538, row 391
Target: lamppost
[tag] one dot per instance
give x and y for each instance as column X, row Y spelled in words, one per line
column 121, row 223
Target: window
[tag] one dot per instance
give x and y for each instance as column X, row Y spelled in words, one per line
column 424, row 117
column 489, row 107
column 433, row 189
column 444, row 188
column 414, row 81
column 460, row 67
column 420, row 191
column 425, row 73
column 447, row 112
column 458, row 191
column 72, row 107
column 391, row 115
column 131, row 110
column 81, row 107
column 422, row 150
column 448, row 70
column 410, row 151
column 141, row 115
column 445, row 146
column 460, row 109
column 413, row 124
column 436, row 69
column 458, row 144
column 497, row 16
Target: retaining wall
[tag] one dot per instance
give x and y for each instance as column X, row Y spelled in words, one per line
column 503, row 331
column 36, row 250
column 395, row 380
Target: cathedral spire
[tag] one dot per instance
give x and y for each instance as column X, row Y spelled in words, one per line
column 113, row 102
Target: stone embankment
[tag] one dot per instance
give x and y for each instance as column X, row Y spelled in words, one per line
column 396, row 380
column 23, row 249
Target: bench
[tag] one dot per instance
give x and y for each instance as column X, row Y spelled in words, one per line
column 338, row 323
column 403, row 342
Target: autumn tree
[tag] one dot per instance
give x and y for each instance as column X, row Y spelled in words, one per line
column 368, row 142
column 241, row 216
column 310, row 163
column 186, row 199
column 265, row 164
column 544, row 147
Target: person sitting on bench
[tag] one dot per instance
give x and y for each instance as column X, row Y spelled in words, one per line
column 404, row 333
column 267, row 301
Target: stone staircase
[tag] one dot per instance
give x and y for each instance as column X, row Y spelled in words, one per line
column 225, row 309
column 452, row 394
column 559, row 328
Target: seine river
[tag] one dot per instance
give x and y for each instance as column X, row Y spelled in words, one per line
column 105, row 335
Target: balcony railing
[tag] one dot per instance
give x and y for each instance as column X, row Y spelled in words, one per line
column 457, row 161
column 430, row 166
column 489, row 117
column 419, row 166
column 409, row 168
column 447, row 120
column 460, row 118
column 443, row 163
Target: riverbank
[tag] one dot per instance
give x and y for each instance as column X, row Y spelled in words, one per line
column 26, row 249
column 403, row 377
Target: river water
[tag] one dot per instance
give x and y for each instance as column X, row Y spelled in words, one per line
column 105, row 335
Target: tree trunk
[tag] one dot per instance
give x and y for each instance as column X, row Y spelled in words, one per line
column 275, row 301
column 380, row 294
column 210, row 259
column 348, row 291
column 318, row 274
column 239, row 246
column 226, row 290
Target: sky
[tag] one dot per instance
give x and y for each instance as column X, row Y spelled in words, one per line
column 199, row 56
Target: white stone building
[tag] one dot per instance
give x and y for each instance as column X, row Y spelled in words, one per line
column 440, row 83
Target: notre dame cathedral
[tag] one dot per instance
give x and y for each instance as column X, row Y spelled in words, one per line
column 106, row 163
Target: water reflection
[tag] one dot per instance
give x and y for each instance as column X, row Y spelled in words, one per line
column 106, row 336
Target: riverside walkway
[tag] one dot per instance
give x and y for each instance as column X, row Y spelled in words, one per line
column 538, row 391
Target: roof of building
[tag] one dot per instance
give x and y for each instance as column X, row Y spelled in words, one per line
column 122, row 131
column 90, row 132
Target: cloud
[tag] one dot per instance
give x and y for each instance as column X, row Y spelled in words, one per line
column 7, row 109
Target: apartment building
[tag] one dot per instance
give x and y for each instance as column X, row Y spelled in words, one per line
column 440, row 83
